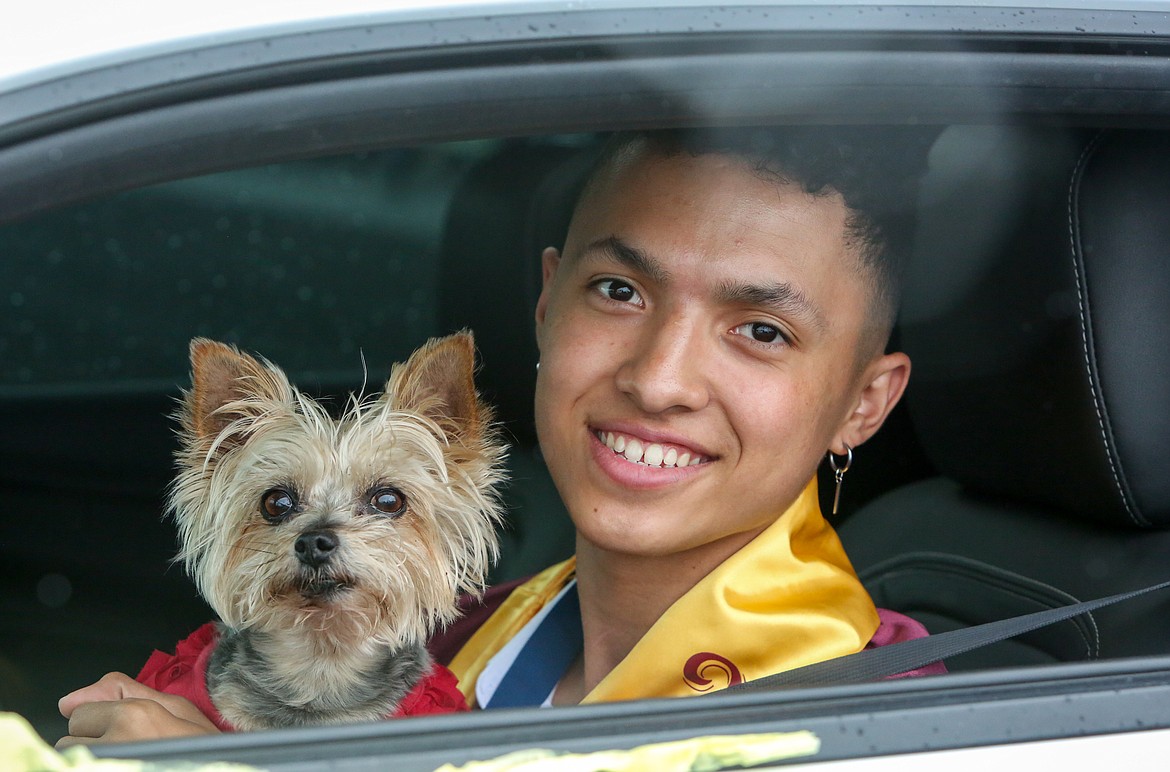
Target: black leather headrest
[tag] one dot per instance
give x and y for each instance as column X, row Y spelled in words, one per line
column 1037, row 315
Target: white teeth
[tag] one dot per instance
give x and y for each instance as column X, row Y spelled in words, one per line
column 650, row 454
column 653, row 455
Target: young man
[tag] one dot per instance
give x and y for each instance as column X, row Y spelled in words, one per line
column 715, row 325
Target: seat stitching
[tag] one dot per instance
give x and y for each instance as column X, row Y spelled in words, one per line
column 1078, row 274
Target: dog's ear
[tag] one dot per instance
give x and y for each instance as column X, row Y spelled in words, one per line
column 226, row 386
column 439, row 381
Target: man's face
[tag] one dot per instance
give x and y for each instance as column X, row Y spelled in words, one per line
column 698, row 342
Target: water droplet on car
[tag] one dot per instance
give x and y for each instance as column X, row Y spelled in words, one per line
column 54, row 590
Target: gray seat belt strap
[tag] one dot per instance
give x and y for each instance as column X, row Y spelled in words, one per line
column 886, row 661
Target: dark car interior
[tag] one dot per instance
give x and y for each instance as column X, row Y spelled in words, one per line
column 1022, row 471
column 1037, row 321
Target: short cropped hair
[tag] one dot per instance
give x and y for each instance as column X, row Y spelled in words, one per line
column 876, row 170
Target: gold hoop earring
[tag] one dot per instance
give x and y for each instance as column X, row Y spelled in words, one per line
column 839, row 471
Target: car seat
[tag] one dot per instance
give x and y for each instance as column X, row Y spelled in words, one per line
column 1037, row 316
column 503, row 214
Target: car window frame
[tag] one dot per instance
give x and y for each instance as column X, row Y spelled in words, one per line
column 333, row 103
column 895, row 716
column 184, row 114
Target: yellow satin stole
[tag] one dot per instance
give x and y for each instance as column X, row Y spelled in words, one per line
column 788, row 598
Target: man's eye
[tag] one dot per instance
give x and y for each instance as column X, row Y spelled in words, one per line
column 618, row 290
column 761, row 332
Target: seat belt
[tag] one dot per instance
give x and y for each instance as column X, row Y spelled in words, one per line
column 885, row 661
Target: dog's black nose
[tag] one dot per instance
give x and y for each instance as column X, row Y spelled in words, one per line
column 315, row 547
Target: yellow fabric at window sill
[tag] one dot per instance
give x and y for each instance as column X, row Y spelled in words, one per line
column 22, row 750
column 698, row 754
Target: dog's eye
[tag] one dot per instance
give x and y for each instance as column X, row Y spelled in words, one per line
column 388, row 501
column 277, row 504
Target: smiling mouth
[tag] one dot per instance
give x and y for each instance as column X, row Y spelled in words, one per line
column 651, row 454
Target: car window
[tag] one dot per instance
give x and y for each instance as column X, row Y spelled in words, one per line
column 316, row 264
column 330, row 267
column 1020, row 472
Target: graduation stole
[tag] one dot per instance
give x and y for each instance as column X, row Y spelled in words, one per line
column 788, row 598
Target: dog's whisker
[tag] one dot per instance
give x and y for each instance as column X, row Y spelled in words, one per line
column 247, row 548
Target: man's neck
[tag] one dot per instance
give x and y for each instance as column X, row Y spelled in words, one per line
column 622, row 596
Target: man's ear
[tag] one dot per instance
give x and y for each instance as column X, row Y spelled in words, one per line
column 228, row 385
column 883, row 384
column 550, row 258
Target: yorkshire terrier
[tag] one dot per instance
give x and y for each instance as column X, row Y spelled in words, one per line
column 331, row 549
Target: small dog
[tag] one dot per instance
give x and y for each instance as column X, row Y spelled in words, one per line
column 332, row 549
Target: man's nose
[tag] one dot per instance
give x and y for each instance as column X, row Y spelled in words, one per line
column 667, row 368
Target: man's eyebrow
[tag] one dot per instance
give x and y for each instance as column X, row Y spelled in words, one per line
column 633, row 258
column 781, row 297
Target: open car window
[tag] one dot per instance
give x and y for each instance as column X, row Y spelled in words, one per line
column 358, row 189
column 330, row 267
column 263, row 256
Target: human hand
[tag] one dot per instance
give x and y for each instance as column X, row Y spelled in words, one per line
column 118, row 709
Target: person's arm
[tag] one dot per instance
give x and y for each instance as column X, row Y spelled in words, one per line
column 118, row 709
